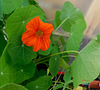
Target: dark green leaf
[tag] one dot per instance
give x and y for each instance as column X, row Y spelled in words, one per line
column 62, row 40
column 19, row 52
column 3, row 43
column 76, row 35
column 57, row 20
column 67, row 75
column 86, row 66
column 42, row 83
column 10, row 5
column 47, row 52
column 54, row 61
column 11, row 74
column 70, row 12
column 16, row 23
column 12, row 86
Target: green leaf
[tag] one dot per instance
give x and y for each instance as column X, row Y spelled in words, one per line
column 70, row 12
column 3, row 43
column 12, row 86
column 57, row 20
column 25, row 2
column 42, row 83
column 16, row 23
column 76, row 35
column 19, row 52
column 11, row 74
column 86, row 67
column 10, row 5
column 24, row 72
column 58, row 86
column 67, row 75
column 54, row 61
column 0, row 10
column 62, row 40
column 47, row 52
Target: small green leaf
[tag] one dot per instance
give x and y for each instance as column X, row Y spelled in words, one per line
column 12, row 86
column 62, row 40
column 76, row 35
column 19, row 52
column 16, row 23
column 57, row 20
column 58, row 86
column 10, row 5
column 86, row 67
column 3, row 43
column 42, row 83
column 47, row 52
column 70, row 12
column 0, row 10
column 54, row 61
column 67, row 75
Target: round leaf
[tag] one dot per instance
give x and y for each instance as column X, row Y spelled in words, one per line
column 16, row 23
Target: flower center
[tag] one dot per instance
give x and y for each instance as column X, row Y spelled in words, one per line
column 39, row 33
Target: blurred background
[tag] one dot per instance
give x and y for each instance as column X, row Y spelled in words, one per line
column 90, row 9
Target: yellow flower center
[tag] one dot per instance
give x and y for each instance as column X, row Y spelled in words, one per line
column 39, row 33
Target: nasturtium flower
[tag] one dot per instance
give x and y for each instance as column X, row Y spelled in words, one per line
column 37, row 34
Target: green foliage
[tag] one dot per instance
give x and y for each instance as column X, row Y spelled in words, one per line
column 42, row 83
column 10, row 5
column 76, row 35
column 25, row 2
column 19, row 52
column 70, row 12
column 3, row 43
column 58, row 86
column 85, row 67
column 47, row 52
column 54, row 61
column 57, row 20
column 16, row 23
column 0, row 10
column 12, row 86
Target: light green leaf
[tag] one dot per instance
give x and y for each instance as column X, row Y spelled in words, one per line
column 47, row 52
column 54, row 61
column 86, row 66
column 16, row 23
column 70, row 12
column 76, row 35
column 0, row 10
column 10, row 5
column 12, row 86
column 19, row 52
column 42, row 83
column 57, row 20
column 11, row 74
column 3, row 43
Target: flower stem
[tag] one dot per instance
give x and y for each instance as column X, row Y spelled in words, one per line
column 60, row 25
column 57, row 54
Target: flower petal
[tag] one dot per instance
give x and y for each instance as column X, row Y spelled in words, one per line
column 37, row 45
column 33, row 24
column 46, row 28
column 29, row 38
column 45, row 44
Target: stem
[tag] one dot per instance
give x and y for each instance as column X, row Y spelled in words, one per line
column 57, row 80
column 60, row 25
column 68, row 56
column 67, row 84
column 57, row 54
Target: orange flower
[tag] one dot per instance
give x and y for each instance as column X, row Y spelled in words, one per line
column 37, row 34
